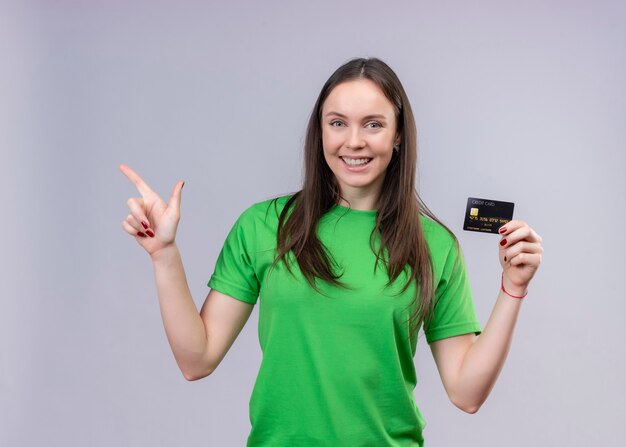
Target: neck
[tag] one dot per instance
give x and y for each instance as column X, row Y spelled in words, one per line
column 359, row 201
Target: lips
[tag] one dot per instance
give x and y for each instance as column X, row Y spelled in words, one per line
column 346, row 160
column 354, row 158
column 356, row 167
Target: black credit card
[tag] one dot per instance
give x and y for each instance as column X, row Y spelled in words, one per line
column 487, row 216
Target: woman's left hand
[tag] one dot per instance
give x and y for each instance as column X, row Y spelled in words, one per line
column 520, row 255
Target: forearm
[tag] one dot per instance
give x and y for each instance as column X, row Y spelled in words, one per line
column 183, row 325
column 483, row 362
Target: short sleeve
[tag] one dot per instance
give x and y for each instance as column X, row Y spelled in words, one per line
column 234, row 273
column 454, row 313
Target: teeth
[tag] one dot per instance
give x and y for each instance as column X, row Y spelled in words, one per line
column 355, row 162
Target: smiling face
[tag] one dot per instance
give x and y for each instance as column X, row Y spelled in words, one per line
column 358, row 135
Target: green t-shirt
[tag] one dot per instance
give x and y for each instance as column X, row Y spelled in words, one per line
column 337, row 367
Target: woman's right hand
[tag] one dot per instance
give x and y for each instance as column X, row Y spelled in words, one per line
column 160, row 219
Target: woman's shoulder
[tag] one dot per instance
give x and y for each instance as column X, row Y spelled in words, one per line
column 438, row 237
column 267, row 210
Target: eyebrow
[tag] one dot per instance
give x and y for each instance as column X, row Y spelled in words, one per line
column 378, row 116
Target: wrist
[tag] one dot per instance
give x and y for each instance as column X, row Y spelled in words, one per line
column 164, row 253
column 512, row 290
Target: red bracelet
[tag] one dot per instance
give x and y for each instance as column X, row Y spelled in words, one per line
column 512, row 296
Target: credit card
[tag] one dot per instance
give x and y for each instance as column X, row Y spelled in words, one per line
column 487, row 216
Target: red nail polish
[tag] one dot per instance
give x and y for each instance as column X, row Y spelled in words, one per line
column 150, row 233
column 502, row 242
column 502, row 230
column 145, row 225
column 139, row 233
column 505, row 259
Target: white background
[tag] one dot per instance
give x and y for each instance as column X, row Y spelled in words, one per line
column 515, row 101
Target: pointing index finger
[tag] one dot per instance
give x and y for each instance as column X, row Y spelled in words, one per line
column 141, row 185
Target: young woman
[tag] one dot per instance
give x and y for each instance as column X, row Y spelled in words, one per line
column 348, row 269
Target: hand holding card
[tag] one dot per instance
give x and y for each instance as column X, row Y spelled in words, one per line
column 520, row 253
column 519, row 260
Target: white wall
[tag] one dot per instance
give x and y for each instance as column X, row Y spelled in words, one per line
column 516, row 101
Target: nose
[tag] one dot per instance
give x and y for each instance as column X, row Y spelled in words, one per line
column 355, row 140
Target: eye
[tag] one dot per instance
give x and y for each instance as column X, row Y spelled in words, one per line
column 374, row 123
column 332, row 123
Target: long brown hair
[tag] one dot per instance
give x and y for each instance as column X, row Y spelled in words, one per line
column 398, row 206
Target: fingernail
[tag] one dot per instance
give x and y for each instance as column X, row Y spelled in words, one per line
column 139, row 233
column 150, row 233
column 182, row 185
column 145, row 225
column 502, row 242
column 505, row 259
column 502, row 230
